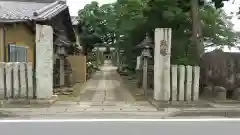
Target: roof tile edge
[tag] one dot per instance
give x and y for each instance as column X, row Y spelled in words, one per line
column 44, row 9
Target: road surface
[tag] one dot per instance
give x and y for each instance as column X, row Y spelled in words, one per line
column 122, row 128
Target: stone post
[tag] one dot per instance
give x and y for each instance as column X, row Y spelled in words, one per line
column 29, row 70
column 174, row 82
column 188, row 87
column 23, row 86
column 145, row 69
column 2, row 89
column 98, row 57
column 44, row 61
column 162, row 67
column 9, row 82
column 16, row 88
column 146, row 55
column 62, row 72
column 181, row 82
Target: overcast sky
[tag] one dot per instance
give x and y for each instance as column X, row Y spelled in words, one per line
column 75, row 5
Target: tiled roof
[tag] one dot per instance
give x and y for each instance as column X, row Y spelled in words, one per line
column 23, row 11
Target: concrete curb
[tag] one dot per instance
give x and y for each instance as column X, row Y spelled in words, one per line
column 49, row 101
column 220, row 112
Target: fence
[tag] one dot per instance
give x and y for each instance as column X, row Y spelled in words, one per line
column 184, row 83
column 16, row 80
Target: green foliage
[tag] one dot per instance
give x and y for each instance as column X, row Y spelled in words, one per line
column 123, row 24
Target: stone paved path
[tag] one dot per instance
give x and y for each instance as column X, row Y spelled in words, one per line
column 103, row 96
column 105, row 92
column 105, row 86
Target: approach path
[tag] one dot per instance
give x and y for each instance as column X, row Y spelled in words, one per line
column 103, row 96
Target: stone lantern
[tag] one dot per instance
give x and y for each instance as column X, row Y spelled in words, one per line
column 145, row 45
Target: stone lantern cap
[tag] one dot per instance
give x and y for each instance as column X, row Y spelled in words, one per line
column 146, row 43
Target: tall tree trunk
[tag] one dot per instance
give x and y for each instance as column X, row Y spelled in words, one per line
column 196, row 31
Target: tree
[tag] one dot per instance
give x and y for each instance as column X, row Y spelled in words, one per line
column 124, row 24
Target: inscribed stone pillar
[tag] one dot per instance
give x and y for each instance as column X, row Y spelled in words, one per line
column 2, row 66
column 44, row 61
column 162, row 64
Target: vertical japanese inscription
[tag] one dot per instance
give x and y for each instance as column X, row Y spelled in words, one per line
column 163, row 48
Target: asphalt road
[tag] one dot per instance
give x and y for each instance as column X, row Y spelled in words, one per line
column 120, row 128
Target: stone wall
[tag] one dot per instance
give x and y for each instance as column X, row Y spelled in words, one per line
column 221, row 69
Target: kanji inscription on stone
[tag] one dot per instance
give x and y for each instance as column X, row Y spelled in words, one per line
column 163, row 47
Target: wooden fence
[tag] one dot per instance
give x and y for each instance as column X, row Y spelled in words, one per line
column 184, row 83
column 16, row 80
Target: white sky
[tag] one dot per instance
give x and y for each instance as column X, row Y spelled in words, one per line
column 75, row 5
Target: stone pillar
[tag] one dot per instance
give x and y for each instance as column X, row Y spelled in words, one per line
column 97, row 57
column 61, row 72
column 29, row 80
column 145, row 75
column 162, row 64
column 23, row 86
column 44, row 61
column 188, row 87
column 9, row 83
column 181, row 82
column 16, row 78
column 174, row 82
column 157, row 66
column 2, row 66
column 1, row 45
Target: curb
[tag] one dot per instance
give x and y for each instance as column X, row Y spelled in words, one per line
column 49, row 101
column 197, row 113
